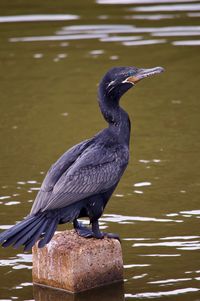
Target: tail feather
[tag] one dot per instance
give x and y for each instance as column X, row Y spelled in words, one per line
column 12, row 239
column 28, row 231
column 49, row 234
column 39, row 226
column 15, row 229
column 23, row 238
column 30, row 243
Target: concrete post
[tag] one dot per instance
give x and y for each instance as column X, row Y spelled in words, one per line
column 77, row 264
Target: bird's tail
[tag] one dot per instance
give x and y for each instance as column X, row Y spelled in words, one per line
column 28, row 231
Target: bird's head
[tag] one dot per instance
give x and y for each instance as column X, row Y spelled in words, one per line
column 118, row 80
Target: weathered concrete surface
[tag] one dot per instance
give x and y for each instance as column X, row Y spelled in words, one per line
column 76, row 264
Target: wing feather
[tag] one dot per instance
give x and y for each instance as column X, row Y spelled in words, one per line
column 55, row 172
column 83, row 180
column 84, row 170
column 62, row 164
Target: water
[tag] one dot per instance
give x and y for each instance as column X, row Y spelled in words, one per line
column 52, row 58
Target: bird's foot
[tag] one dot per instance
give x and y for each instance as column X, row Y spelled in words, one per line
column 98, row 234
column 112, row 235
column 102, row 235
column 94, row 232
column 82, row 231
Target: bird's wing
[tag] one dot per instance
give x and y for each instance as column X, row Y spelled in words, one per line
column 55, row 172
column 62, row 164
column 92, row 173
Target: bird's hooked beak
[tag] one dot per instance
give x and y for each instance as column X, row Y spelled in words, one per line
column 142, row 73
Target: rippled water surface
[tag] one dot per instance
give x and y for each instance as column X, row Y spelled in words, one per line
column 52, row 56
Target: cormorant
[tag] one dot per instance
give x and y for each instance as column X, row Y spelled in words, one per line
column 82, row 180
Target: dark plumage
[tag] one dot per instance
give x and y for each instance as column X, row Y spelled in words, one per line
column 83, row 179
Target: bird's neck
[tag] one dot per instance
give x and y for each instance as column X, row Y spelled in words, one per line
column 116, row 117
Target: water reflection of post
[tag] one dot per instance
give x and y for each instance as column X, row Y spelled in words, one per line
column 114, row 292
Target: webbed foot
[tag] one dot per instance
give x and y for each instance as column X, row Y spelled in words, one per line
column 94, row 232
column 112, row 235
column 100, row 235
column 82, row 231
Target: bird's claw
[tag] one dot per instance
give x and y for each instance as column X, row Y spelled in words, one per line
column 112, row 235
column 88, row 233
column 83, row 231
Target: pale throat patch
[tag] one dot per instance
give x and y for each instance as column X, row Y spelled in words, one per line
column 131, row 79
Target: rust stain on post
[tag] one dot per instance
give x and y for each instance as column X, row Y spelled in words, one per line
column 75, row 264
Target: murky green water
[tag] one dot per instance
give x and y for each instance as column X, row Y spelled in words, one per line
column 49, row 71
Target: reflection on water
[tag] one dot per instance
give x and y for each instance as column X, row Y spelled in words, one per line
column 18, row 262
column 171, row 7
column 37, row 18
column 121, row 218
column 142, row 1
column 105, row 34
column 163, row 294
column 113, row 292
column 187, row 43
column 144, row 42
column 48, row 93
column 153, row 17
column 178, row 244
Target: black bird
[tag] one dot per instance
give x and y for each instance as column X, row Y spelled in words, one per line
column 81, row 181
